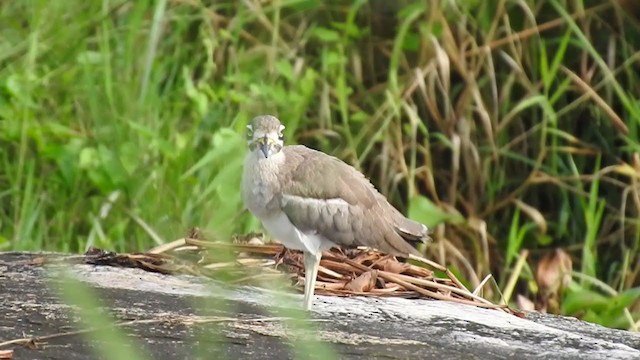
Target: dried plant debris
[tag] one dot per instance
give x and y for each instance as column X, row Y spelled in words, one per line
column 149, row 262
column 343, row 272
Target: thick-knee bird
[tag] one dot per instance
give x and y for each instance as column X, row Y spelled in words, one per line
column 311, row 201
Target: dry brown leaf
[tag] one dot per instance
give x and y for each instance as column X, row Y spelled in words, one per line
column 553, row 275
column 367, row 257
column 364, row 282
column 554, row 271
column 391, row 265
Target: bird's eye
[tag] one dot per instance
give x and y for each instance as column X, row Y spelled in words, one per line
column 280, row 133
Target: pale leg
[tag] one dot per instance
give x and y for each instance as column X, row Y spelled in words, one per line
column 311, row 265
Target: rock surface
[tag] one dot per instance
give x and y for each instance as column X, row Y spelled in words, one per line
column 188, row 317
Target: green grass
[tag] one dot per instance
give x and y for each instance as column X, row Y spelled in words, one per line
column 122, row 123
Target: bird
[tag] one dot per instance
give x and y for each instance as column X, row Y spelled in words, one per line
column 311, row 201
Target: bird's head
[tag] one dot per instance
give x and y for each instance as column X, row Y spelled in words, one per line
column 264, row 136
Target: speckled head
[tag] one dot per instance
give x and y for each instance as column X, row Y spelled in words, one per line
column 264, row 135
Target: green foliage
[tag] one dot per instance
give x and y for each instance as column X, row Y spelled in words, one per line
column 423, row 210
column 121, row 123
column 606, row 310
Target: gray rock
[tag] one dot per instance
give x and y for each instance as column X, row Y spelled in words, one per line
column 190, row 317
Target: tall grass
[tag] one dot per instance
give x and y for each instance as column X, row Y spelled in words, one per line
column 504, row 125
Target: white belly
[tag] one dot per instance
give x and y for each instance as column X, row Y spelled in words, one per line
column 279, row 226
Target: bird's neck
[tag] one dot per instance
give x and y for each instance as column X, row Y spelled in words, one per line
column 262, row 173
column 261, row 181
column 265, row 166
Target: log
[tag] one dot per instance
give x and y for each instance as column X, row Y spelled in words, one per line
column 184, row 317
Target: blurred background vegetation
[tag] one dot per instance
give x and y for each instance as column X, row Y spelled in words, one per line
column 511, row 127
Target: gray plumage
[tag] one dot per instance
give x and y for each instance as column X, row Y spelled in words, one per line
column 365, row 219
column 311, row 201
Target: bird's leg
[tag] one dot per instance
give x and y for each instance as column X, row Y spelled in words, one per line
column 311, row 265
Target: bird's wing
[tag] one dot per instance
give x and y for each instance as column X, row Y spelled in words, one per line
column 321, row 194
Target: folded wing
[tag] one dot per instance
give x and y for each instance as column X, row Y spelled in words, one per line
column 323, row 195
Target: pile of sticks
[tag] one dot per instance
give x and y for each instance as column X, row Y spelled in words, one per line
column 248, row 260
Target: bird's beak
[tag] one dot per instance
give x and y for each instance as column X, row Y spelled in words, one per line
column 265, row 146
